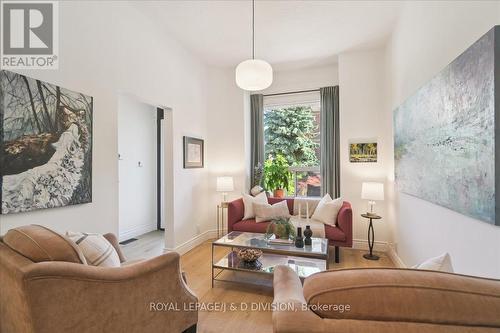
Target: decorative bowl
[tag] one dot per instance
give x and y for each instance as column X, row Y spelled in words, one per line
column 249, row 255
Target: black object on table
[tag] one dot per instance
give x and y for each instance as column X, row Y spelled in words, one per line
column 308, row 233
column 299, row 241
column 371, row 236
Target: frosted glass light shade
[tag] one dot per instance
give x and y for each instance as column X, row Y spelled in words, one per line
column 254, row 74
column 225, row 184
column 372, row 191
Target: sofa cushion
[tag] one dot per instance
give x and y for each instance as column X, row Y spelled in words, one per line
column 334, row 234
column 440, row 263
column 248, row 202
column 97, row 250
column 327, row 210
column 251, row 226
column 39, row 244
column 267, row 212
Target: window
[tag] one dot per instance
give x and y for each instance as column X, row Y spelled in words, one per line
column 291, row 129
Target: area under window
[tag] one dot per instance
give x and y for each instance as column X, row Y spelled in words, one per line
column 291, row 130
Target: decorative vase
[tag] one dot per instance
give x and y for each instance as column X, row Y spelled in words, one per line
column 299, row 241
column 308, row 234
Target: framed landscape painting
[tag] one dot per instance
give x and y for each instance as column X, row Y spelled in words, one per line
column 45, row 145
column 363, row 152
column 193, row 152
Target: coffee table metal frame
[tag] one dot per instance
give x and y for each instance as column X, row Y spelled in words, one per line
column 285, row 250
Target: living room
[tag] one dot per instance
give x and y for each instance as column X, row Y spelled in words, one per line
column 367, row 77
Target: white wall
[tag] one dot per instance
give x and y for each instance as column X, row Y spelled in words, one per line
column 107, row 48
column 365, row 117
column 137, row 183
column 303, row 79
column 430, row 35
column 226, row 137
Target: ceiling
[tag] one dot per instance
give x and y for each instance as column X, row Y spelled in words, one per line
column 288, row 33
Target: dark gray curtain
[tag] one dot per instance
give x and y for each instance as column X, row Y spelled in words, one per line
column 330, row 146
column 257, row 133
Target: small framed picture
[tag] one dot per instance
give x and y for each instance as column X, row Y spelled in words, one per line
column 363, row 152
column 193, row 152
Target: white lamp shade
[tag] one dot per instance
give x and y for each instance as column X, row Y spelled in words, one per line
column 225, row 184
column 254, row 74
column 372, row 191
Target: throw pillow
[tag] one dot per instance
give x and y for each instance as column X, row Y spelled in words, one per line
column 328, row 210
column 440, row 263
column 248, row 202
column 97, row 250
column 266, row 212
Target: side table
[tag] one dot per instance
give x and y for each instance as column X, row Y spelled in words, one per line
column 371, row 236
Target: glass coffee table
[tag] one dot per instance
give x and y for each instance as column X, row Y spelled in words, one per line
column 304, row 261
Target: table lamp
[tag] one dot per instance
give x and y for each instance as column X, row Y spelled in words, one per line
column 372, row 191
column 225, row 184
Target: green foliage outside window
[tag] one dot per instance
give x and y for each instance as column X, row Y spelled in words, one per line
column 291, row 132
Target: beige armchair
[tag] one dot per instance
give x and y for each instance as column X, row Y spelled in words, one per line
column 44, row 288
column 384, row 300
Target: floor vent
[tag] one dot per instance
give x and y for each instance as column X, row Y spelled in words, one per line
column 125, row 242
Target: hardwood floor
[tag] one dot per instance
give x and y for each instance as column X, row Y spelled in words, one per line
column 257, row 293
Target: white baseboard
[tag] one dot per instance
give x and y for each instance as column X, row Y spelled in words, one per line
column 391, row 252
column 362, row 244
column 194, row 242
column 135, row 231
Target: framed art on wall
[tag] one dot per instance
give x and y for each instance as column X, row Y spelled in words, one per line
column 45, row 145
column 193, row 152
column 446, row 138
column 363, row 152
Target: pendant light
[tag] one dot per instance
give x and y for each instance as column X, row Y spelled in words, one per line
column 254, row 74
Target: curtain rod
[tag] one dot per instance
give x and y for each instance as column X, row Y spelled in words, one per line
column 291, row 92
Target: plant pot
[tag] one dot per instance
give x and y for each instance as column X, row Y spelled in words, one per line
column 279, row 193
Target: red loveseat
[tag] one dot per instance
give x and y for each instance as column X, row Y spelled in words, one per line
column 338, row 236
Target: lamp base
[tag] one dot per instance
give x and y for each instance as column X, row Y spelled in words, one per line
column 371, row 214
column 371, row 256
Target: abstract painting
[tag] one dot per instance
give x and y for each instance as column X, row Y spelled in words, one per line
column 444, row 136
column 363, row 152
column 45, row 145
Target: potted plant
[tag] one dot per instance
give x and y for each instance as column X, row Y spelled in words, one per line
column 277, row 176
column 281, row 228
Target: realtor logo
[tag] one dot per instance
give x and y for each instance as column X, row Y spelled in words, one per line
column 30, row 35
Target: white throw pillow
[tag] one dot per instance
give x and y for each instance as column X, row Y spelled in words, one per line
column 440, row 263
column 266, row 212
column 328, row 210
column 248, row 202
column 96, row 249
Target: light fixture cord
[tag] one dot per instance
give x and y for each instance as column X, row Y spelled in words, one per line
column 253, row 29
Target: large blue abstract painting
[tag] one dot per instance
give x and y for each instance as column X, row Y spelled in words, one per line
column 444, row 136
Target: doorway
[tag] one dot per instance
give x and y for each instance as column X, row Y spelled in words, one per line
column 140, row 160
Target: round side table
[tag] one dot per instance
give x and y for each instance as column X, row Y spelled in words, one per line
column 371, row 236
